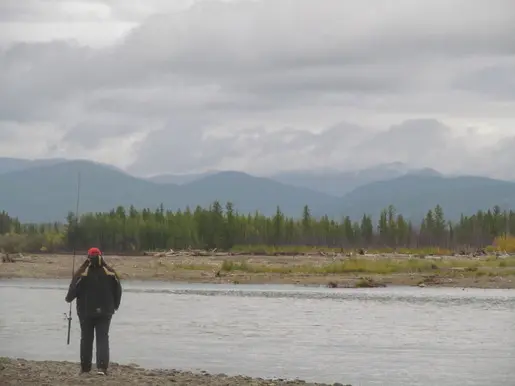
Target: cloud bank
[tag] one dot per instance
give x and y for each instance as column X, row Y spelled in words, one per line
column 260, row 86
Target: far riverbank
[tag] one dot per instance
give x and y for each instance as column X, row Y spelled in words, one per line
column 360, row 271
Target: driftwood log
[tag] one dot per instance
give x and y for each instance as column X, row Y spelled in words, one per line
column 9, row 258
column 475, row 253
column 215, row 253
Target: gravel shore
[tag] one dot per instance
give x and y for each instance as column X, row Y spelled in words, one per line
column 49, row 373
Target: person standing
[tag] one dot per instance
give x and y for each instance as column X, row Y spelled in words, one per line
column 98, row 291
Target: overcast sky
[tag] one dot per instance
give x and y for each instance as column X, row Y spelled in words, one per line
column 158, row 86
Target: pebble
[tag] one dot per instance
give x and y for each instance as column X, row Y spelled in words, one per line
column 65, row 374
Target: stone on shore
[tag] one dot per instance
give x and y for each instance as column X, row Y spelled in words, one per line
column 21, row 372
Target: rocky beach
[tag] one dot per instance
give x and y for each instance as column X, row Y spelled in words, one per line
column 20, row 372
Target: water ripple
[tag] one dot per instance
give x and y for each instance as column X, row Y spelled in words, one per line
column 394, row 336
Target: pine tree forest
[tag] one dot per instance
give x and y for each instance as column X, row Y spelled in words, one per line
column 222, row 227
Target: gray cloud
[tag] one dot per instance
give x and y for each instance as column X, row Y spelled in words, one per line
column 89, row 133
column 494, row 80
column 262, row 85
column 27, row 11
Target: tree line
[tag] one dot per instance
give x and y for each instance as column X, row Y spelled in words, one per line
column 222, row 227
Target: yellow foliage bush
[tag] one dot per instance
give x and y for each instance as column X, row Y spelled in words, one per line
column 14, row 243
column 504, row 244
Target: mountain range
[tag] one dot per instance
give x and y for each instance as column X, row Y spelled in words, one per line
column 333, row 182
column 46, row 190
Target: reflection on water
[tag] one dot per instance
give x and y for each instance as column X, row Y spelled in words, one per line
column 381, row 336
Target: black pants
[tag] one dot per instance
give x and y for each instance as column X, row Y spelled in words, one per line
column 90, row 327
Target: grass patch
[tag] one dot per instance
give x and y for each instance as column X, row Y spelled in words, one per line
column 367, row 282
column 244, row 266
column 269, row 250
column 182, row 266
column 430, row 251
column 362, row 266
column 354, row 266
column 509, row 262
column 192, row 267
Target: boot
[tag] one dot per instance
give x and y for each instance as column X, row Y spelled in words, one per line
column 101, row 371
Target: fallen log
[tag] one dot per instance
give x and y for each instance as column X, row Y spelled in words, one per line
column 6, row 258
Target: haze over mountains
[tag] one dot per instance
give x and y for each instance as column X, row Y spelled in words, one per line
column 45, row 190
column 329, row 181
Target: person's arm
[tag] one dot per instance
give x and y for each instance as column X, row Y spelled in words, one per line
column 116, row 286
column 74, row 288
column 117, row 291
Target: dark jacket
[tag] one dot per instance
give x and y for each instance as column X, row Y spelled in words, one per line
column 97, row 289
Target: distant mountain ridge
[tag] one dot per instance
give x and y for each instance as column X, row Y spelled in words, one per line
column 338, row 183
column 414, row 195
column 179, row 179
column 48, row 193
column 332, row 182
column 37, row 192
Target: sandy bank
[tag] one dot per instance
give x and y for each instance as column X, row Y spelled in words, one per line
column 24, row 372
column 450, row 271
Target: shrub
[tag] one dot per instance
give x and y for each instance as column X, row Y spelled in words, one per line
column 504, row 244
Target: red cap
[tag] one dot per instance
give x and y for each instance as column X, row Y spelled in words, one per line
column 94, row 252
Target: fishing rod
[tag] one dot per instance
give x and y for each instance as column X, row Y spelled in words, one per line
column 74, row 243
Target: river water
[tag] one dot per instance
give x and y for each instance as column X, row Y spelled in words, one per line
column 381, row 336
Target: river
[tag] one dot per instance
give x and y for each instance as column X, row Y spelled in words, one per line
column 381, row 336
